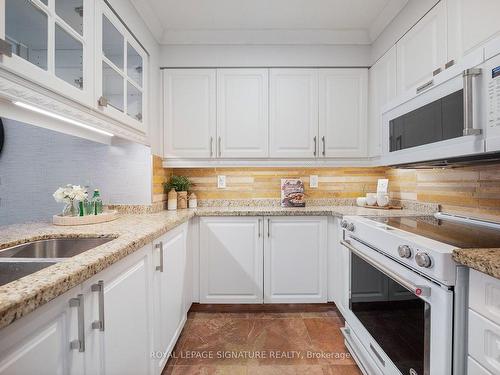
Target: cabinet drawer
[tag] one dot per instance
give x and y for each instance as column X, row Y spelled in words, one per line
column 484, row 342
column 474, row 368
column 484, row 295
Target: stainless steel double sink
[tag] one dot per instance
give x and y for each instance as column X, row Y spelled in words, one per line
column 21, row 260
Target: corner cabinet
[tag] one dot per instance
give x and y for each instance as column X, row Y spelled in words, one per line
column 422, row 50
column 74, row 59
column 343, row 96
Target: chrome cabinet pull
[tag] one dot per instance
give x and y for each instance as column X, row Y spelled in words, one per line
column 220, row 150
column 324, row 146
column 468, row 77
column 315, row 146
column 418, row 290
column 437, row 71
column 5, row 48
column 211, row 146
column 80, row 342
column 449, row 64
column 425, row 86
column 268, row 227
column 379, row 357
column 99, row 287
column 259, row 228
column 159, row 245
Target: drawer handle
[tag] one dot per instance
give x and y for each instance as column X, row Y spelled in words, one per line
column 379, row 357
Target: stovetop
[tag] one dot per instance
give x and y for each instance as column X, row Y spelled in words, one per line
column 459, row 235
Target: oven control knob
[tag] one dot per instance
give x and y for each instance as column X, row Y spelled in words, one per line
column 404, row 251
column 423, row 260
column 344, row 224
column 350, row 227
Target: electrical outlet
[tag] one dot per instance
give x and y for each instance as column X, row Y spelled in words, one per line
column 221, row 182
column 313, row 181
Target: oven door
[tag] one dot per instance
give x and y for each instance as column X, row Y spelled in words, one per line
column 404, row 319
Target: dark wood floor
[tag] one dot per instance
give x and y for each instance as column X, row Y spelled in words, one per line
column 270, row 340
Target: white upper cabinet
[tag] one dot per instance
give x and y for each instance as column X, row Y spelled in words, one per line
column 422, row 50
column 471, row 23
column 242, row 113
column 51, row 45
column 189, row 112
column 343, row 112
column 294, row 113
column 120, row 70
column 382, row 89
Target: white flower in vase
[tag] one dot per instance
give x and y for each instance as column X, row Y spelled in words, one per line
column 68, row 195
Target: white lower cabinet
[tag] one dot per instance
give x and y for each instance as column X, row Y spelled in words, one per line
column 295, row 265
column 260, row 259
column 40, row 342
column 484, row 324
column 231, row 260
column 118, row 317
column 338, row 267
column 171, row 290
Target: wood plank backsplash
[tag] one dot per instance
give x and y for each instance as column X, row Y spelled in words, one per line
column 247, row 183
column 466, row 190
column 471, row 190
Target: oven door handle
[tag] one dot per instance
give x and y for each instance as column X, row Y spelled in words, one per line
column 418, row 290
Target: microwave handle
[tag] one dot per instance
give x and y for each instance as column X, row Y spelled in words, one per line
column 418, row 290
column 468, row 77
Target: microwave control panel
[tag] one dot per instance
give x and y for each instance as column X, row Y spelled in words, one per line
column 494, row 97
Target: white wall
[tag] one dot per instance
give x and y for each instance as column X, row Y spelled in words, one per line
column 264, row 55
column 409, row 16
column 36, row 161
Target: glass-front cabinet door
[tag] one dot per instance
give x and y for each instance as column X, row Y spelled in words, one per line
column 51, row 44
column 120, row 70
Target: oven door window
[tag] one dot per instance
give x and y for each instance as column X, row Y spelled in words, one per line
column 395, row 317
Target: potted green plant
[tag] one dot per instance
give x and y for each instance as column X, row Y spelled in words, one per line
column 181, row 185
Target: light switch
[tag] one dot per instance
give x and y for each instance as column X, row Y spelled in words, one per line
column 313, row 181
column 221, row 182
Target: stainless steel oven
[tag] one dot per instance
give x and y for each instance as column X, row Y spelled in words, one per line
column 403, row 319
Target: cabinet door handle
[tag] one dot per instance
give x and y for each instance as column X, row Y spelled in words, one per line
column 159, row 245
column 80, row 342
column 324, row 146
column 425, row 86
column 99, row 287
column 268, row 227
column 102, row 102
column 220, row 150
column 259, row 228
column 315, row 146
column 211, row 146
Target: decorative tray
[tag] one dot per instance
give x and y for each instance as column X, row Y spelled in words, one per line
column 389, row 207
column 85, row 220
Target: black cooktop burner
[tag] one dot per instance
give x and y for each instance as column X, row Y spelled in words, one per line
column 464, row 236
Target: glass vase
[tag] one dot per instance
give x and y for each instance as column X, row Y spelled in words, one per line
column 70, row 209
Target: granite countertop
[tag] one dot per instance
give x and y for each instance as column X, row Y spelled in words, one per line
column 483, row 260
column 131, row 232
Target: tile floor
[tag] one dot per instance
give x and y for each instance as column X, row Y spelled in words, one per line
column 262, row 343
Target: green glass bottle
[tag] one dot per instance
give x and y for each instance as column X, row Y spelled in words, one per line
column 96, row 203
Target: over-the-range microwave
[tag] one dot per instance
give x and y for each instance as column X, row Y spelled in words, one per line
column 456, row 114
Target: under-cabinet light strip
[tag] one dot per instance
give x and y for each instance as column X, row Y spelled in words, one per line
column 62, row 118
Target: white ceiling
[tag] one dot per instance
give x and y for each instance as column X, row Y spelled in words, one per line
column 268, row 21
